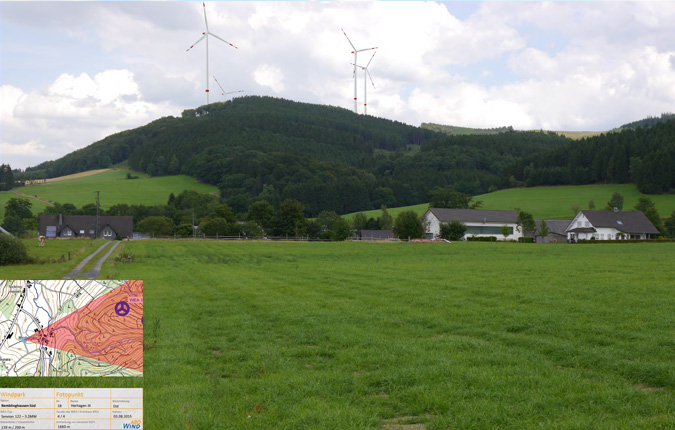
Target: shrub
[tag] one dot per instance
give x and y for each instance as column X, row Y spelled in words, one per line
column 525, row 240
column 13, row 251
column 454, row 230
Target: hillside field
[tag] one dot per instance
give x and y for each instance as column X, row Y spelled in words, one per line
column 115, row 188
column 554, row 202
column 271, row 335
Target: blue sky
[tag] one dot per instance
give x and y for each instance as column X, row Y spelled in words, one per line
column 72, row 73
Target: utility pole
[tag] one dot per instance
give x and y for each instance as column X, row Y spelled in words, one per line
column 194, row 232
column 98, row 204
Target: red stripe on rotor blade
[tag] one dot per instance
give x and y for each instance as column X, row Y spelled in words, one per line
column 207, row 91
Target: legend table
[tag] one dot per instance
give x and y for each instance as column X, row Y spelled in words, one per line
column 71, row 408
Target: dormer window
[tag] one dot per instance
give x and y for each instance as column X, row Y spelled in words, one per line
column 619, row 222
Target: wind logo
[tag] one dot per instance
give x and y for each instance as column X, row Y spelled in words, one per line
column 135, row 424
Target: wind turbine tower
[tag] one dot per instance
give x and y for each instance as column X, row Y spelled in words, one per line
column 365, row 84
column 355, row 52
column 205, row 35
column 221, row 88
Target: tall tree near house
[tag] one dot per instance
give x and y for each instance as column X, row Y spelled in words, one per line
column 543, row 229
column 615, row 202
column 525, row 222
column 408, row 225
column 505, row 231
column 669, row 225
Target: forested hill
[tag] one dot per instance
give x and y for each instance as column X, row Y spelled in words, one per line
column 649, row 121
column 328, row 158
column 644, row 156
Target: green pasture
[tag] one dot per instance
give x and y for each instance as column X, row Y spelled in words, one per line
column 49, row 264
column 267, row 335
column 37, row 206
column 115, row 188
column 554, row 202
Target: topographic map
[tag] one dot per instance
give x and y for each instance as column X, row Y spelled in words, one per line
column 71, row 328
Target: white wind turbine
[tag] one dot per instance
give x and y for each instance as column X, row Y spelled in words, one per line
column 221, row 88
column 206, row 35
column 355, row 52
column 365, row 84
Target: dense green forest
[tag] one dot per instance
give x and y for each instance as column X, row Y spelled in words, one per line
column 328, row 158
column 644, row 156
column 650, row 121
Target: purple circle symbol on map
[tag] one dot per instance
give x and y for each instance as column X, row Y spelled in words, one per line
column 122, row 308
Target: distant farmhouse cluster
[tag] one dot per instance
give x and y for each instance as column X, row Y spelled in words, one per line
column 586, row 225
column 499, row 224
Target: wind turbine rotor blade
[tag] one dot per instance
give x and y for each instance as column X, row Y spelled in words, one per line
column 362, row 68
column 218, row 37
column 198, row 40
column 232, row 92
column 371, row 59
column 371, row 78
column 367, row 49
column 205, row 21
column 350, row 42
column 221, row 88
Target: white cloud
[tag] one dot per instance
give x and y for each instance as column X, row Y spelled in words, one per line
column 110, row 66
column 269, row 76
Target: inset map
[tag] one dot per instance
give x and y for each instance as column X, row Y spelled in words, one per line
column 71, row 328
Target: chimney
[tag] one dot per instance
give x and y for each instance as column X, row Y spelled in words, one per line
column 616, row 209
column 60, row 219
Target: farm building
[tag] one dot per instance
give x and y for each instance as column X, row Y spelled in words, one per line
column 556, row 231
column 77, row 226
column 478, row 222
column 376, row 234
column 609, row 225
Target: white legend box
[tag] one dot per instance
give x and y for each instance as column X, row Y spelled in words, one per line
column 71, row 408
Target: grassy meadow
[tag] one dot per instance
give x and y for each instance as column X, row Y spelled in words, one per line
column 262, row 335
column 115, row 188
column 554, row 202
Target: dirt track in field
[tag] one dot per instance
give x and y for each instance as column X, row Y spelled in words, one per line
column 78, row 175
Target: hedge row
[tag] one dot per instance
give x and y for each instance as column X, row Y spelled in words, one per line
column 481, row 239
column 626, row 241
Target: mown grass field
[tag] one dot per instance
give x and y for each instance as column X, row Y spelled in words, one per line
column 115, row 188
column 36, row 207
column 386, row 335
column 554, row 202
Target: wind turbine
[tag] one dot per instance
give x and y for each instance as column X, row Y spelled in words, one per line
column 365, row 84
column 206, row 35
column 221, row 88
column 355, row 52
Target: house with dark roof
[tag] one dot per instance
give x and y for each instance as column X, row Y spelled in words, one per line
column 77, row 226
column 609, row 225
column 556, row 231
column 479, row 222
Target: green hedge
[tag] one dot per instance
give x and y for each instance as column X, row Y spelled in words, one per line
column 525, row 240
column 481, row 238
column 626, row 241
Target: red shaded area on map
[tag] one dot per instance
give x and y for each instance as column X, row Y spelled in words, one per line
column 104, row 330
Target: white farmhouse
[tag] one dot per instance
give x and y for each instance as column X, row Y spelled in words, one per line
column 478, row 222
column 609, row 225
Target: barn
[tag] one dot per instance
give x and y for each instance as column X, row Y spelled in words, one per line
column 479, row 222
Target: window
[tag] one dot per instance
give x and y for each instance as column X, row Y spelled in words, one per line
column 578, row 223
column 66, row 232
column 51, row 231
column 479, row 229
column 588, row 224
column 107, row 233
column 81, row 231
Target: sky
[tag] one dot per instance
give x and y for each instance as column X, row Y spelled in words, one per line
column 72, row 73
